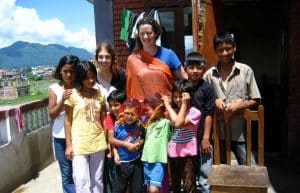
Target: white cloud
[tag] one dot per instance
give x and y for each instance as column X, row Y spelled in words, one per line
column 19, row 23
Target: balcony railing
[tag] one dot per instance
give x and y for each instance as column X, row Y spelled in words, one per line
column 25, row 142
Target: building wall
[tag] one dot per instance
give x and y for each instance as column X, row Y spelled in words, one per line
column 104, row 20
column 294, row 78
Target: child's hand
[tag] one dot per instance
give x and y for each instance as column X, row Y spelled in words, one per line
column 186, row 97
column 220, row 104
column 138, row 143
column 67, row 93
column 109, row 155
column 131, row 146
column 69, row 152
column 117, row 159
column 205, row 146
column 166, row 99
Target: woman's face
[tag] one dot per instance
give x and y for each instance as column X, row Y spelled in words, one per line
column 104, row 60
column 147, row 35
column 67, row 73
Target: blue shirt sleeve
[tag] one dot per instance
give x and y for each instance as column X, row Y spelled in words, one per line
column 169, row 57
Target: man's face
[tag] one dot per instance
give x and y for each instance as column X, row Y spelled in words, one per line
column 225, row 52
column 194, row 72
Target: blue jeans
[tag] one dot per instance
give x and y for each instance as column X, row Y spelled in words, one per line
column 205, row 164
column 239, row 150
column 65, row 165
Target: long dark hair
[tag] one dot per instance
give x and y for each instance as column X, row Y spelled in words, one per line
column 81, row 71
column 65, row 60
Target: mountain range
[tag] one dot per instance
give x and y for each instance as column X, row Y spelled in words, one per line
column 25, row 54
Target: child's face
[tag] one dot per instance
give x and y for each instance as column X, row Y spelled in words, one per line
column 194, row 72
column 114, row 107
column 177, row 98
column 225, row 52
column 67, row 73
column 128, row 116
column 90, row 80
column 148, row 110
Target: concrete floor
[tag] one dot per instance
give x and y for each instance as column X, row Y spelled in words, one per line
column 284, row 174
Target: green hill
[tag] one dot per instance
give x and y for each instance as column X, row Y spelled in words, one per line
column 24, row 54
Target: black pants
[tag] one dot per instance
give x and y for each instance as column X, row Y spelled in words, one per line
column 129, row 173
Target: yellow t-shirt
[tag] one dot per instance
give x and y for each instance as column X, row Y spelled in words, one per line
column 87, row 133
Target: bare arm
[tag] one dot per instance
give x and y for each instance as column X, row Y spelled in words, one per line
column 119, row 143
column 102, row 115
column 172, row 113
column 180, row 73
column 205, row 143
column 181, row 121
column 67, row 125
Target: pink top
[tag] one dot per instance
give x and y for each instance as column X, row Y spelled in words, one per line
column 183, row 140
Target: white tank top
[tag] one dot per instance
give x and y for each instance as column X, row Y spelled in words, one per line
column 58, row 130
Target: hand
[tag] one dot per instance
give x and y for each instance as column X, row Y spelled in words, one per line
column 233, row 107
column 69, row 152
column 131, row 147
column 138, row 144
column 67, row 93
column 220, row 105
column 109, row 155
column 166, row 99
column 186, row 97
column 205, row 146
column 117, row 159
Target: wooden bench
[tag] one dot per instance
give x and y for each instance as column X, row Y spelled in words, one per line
column 237, row 178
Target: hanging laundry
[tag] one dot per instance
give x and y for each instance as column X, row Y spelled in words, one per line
column 125, row 20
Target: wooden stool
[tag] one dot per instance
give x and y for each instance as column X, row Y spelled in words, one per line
column 238, row 178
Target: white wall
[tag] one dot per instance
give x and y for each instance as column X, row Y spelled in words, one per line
column 24, row 156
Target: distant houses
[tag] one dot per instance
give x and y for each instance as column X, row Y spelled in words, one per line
column 14, row 83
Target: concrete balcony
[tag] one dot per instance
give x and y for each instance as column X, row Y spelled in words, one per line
column 24, row 151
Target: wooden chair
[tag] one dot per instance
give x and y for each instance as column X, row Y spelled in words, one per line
column 236, row 178
column 249, row 116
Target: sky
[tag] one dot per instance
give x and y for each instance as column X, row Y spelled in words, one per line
column 65, row 22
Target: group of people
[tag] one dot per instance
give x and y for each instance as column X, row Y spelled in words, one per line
column 146, row 128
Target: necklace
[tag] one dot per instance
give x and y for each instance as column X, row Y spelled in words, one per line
column 90, row 106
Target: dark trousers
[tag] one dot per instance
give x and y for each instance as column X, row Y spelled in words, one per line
column 129, row 173
column 183, row 169
column 108, row 174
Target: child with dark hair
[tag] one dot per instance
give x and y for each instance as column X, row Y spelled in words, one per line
column 58, row 93
column 183, row 146
column 128, row 140
column 85, row 136
column 204, row 100
column 236, row 90
column 115, row 100
column 154, row 155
